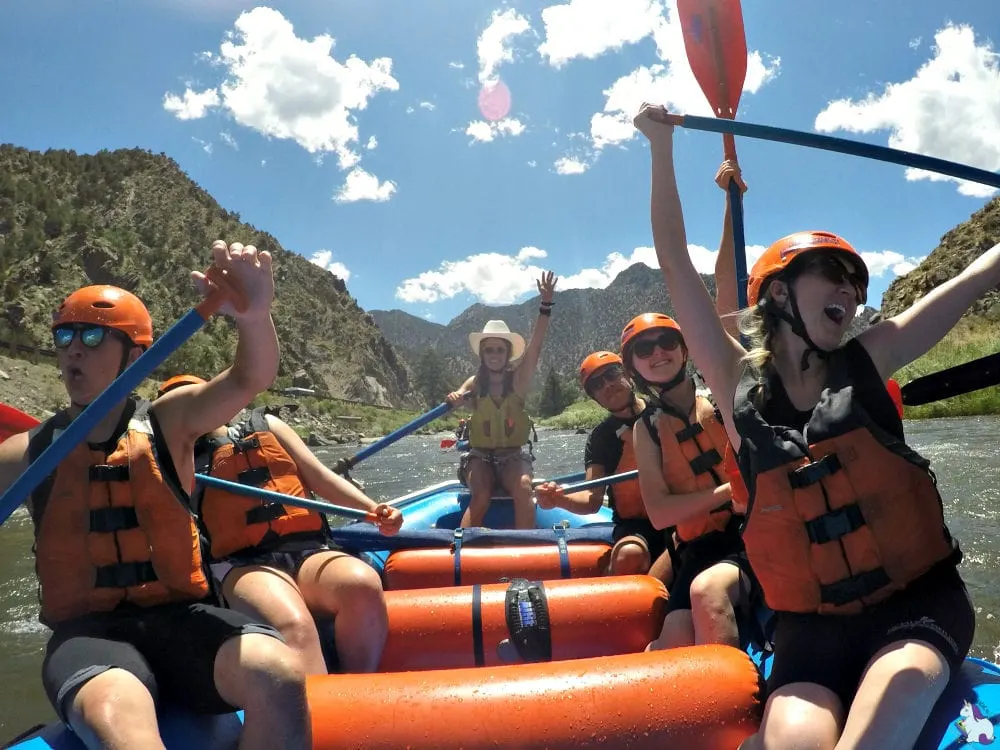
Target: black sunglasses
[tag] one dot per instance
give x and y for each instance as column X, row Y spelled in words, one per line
column 644, row 348
column 90, row 335
column 836, row 272
column 604, row 376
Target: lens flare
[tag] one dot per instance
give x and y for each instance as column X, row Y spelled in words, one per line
column 494, row 100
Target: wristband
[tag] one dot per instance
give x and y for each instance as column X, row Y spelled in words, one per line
column 544, row 310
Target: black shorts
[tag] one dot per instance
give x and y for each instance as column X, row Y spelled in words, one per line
column 171, row 649
column 655, row 539
column 699, row 555
column 833, row 651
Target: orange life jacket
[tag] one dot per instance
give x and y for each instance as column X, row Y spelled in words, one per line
column 626, row 496
column 114, row 527
column 841, row 519
column 251, row 455
column 691, row 454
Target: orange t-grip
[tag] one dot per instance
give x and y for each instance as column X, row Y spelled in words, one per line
column 224, row 288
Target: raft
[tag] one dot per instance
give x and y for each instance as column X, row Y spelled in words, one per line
column 431, row 694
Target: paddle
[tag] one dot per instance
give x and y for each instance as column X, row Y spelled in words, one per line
column 716, row 46
column 605, row 481
column 13, row 421
column 299, row 502
column 954, row 381
column 344, row 465
column 224, row 290
column 840, row 145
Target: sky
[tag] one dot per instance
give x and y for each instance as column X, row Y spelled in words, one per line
column 437, row 153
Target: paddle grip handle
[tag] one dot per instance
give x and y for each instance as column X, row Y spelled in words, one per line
column 226, row 289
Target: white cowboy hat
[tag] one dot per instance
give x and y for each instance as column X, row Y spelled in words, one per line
column 497, row 329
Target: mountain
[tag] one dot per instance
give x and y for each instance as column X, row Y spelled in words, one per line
column 957, row 249
column 583, row 321
column 134, row 219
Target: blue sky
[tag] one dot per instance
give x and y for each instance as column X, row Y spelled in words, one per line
column 351, row 131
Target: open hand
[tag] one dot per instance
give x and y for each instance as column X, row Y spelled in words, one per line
column 547, row 285
column 249, row 270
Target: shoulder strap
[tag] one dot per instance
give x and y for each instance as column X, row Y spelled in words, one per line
column 258, row 419
column 40, row 437
column 647, row 419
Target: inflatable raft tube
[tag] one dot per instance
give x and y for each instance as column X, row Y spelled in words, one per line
column 696, row 698
column 494, row 624
column 974, row 690
column 462, row 565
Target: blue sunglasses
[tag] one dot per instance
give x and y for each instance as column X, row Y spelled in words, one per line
column 90, row 335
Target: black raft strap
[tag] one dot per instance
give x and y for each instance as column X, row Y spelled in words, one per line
column 854, row 588
column 807, row 475
column 478, row 654
column 109, row 520
column 124, row 575
column 833, row 525
column 690, row 432
column 705, row 462
column 106, row 473
column 266, row 513
column 527, row 612
column 254, row 477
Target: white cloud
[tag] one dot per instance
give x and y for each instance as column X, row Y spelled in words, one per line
column 324, row 259
column 950, row 109
column 429, row 106
column 227, row 138
column 494, row 44
column 532, row 163
column 191, row 105
column 484, row 132
column 915, row 42
column 589, row 28
column 570, row 165
column 456, row 65
column 492, row 278
column 206, row 146
column 372, row 144
column 889, row 262
column 364, row 186
column 288, row 87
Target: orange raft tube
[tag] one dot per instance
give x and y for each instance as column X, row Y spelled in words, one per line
column 696, row 698
column 469, row 626
column 458, row 565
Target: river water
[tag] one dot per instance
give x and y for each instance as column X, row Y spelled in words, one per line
column 964, row 453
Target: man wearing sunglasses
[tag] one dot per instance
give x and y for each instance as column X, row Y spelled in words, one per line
column 638, row 546
column 119, row 554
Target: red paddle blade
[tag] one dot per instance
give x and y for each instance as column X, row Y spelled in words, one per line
column 446, row 443
column 13, row 421
column 716, row 48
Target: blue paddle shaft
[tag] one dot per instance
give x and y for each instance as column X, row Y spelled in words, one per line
column 278, row 497
column 97, row 410
column 739, row 242
column 605, row 481
column 843, row 146
column 398, row 434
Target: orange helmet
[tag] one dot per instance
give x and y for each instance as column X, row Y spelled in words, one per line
column 595, row 362
column 107, row 306
column 177, row 381
column 781, row 254
column 646, row 322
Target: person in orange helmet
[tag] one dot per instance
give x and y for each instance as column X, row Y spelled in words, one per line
column 845, row 529
column 639, row 547
column 127, row 592
column 276, row 562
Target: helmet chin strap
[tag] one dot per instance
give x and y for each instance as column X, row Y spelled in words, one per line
column 798, row 327
column 675, row 381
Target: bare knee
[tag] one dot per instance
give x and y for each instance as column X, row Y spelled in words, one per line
column 259, row 673
column 801, row 716
column 711, row 589
column 110, row 703
column 359, row 586
column 630, row 558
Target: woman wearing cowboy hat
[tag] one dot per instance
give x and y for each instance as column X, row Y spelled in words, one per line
column 499, row 425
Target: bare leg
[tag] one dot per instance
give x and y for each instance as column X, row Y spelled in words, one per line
column 336, row 584
column 114, row 711
column 271, row 596
column 715, row 592
column 629, row 556
column 799, row 716
column 517, row 481
column 479, row 476
column 261, row 675
column 678, row 630
column 663, row 568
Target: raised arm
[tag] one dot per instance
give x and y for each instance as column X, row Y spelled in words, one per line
column 187, row 413
column 726, row 297
column 716, row 352
column 905, row 337
column 529, row 362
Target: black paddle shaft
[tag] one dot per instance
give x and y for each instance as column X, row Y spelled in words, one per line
column 971, row 376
